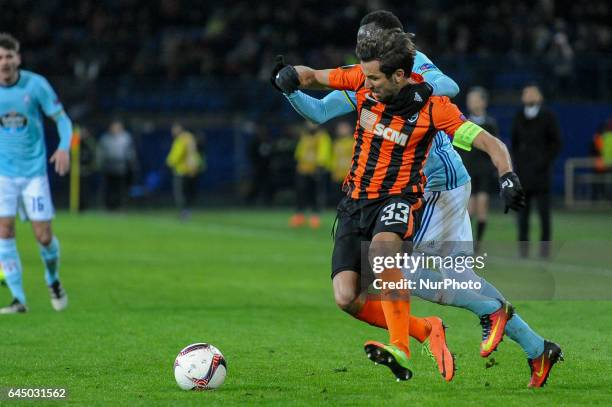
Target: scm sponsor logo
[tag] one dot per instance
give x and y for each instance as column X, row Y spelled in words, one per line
column 390, row 134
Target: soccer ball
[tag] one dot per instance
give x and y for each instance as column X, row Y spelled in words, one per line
column 199, row 366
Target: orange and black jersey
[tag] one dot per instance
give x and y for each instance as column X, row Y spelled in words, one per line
column 391, row 144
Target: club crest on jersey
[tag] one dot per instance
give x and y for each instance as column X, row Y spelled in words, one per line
column 13, row 121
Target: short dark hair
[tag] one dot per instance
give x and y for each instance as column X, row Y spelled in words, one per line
column 382, row 19
column 532, row 85
column 393, row 48
column 7, row 41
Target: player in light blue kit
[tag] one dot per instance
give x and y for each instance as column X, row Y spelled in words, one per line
column 23, row 170
column 445, row 228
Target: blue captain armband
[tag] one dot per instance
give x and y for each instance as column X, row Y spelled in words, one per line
column 465, row 135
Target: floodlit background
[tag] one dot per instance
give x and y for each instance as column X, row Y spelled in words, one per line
column 143, row 283
column 206, row 65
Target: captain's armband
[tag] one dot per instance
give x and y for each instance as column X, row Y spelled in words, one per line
column 465, row 135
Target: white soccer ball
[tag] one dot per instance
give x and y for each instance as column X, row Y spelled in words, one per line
column 200, row 366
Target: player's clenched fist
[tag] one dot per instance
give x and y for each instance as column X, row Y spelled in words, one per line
column 511, row 191
column 284, row 77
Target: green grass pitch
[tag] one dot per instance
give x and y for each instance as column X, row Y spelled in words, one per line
column 142, row 286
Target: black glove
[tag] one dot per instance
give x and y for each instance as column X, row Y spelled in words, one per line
column 280, row 64
column 284, row 77
column 511, row 192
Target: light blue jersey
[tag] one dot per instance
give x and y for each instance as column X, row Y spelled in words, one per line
column 444, row 169
column 22, row 144
column 442, row 85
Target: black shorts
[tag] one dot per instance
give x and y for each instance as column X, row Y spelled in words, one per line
column 360, row 220
column 483, row 181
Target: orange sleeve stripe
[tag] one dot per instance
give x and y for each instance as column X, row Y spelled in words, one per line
column 348, row 78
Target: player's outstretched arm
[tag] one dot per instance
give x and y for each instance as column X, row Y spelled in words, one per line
column 313, row 78
column 290, row 78
column 333, row 105
column 287, row 78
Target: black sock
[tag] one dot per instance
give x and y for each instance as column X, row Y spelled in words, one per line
column 480, row 230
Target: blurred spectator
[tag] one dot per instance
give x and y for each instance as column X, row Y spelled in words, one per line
column 118, row 163
column 536, row 142
column 324, row 164
column 341, row 158
column 312, row 156
column 170, row 38
column 560, row 57
column 260, row 154
column 606, row 145
column 601, row 150
column 186, row 163
column 282, row 165
column 88, row 167
column 478, row 163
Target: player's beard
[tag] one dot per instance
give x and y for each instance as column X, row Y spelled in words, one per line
column 387, row 94
column 386, row 98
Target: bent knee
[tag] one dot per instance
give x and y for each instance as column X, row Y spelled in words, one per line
column 346, row 301
column 346, row 290
column 7, row 230
column 43, row 235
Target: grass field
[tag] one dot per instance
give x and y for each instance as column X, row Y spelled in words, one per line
column 142, row 286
